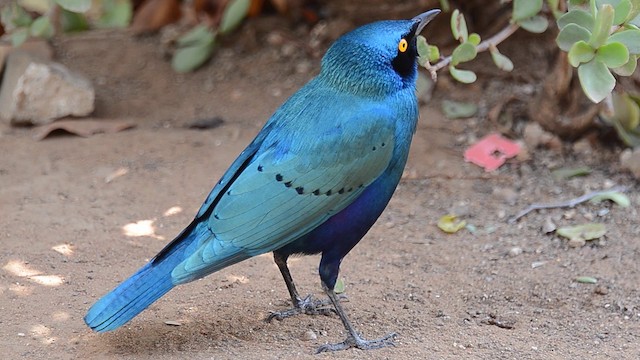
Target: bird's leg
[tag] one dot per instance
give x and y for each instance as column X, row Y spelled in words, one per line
column 308, row 305
column 353, row 339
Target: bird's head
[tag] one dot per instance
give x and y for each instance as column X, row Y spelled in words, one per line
column 376, row 59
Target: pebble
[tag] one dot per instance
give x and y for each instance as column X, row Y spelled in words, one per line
column 537, row 264
column 630, row 160
column 548, row 226
column 569, row 214
column 310, row 335
column 577, row 242
column 601, row 290
column 515, row 251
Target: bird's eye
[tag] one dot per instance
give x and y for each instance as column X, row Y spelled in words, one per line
column 403, row 45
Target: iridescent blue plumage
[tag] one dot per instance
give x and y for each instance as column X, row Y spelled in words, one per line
column 314, row 180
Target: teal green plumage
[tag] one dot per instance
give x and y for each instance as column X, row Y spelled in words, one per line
column 314, row 179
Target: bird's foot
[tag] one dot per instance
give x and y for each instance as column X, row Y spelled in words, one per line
column 359, row 343
column 308, row 306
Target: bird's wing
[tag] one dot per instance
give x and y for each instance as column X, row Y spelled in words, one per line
column 280, row 195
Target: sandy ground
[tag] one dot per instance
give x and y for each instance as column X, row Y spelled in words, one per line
column 79, row 215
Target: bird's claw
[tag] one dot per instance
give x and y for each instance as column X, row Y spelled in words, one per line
column 308, row 306
column 359, row 343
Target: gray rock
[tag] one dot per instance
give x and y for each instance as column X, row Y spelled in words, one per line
column 630, row 160
column 36, row 91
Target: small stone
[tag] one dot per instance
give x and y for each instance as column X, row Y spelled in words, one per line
column 630, row 160
column 570, row 214
column 275, row 38
column 601, row 290
column 515, row 251
column 548, row 226
column 310, row 335
column 583, row 147
column 537, row 264
column 577, row 242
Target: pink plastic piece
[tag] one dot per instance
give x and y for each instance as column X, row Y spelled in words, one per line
column 491, row 152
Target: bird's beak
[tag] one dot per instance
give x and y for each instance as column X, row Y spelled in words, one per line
column 423, row 19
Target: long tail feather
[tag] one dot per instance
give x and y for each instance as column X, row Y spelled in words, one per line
column 131, row 297
column 144, row 287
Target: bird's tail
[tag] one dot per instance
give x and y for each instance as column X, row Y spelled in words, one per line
column 143, row 288
column 131, row 297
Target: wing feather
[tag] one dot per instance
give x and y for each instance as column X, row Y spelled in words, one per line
column 289, row 188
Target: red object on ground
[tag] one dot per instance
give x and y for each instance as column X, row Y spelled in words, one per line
column 491, row 152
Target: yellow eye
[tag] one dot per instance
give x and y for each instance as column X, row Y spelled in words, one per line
column 403, row 45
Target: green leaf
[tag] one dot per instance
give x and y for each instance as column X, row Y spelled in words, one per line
column 41, row 27
column 589, row 231
column 464, row 76
column 596, row 80
column 475, row 39
column 622, row 12
column 450, row 224
column 458, row 110
column 37, row 6
column 536, row 24
column 613, row 54
column 615, row 196
column 192, row 56
column 79, row 6
column 578, row 17
column 233, row 15
column 629, row 68
column 422, row 46
column 426, row 53
column 580, row 52
column 197, row 35
column 463, row 53
column 602, row 28
column 501, row 61
column 523, row 9
column 586, row 280
column 13, row 17
column 434, row 53
column 459, row 26
column 554, row 6
column 339, row 286
column 626, row 111
column 634, row 12
column 571, row 34
column 19, row 36
column 629, row 137
column 568, row 173
column 444, row 5
column 72, row 22
column 116, row 13
column 630, row 39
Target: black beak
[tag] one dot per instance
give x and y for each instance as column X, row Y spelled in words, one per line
column 423, row 19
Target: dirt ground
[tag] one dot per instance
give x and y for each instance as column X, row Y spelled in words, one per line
column 79, row 215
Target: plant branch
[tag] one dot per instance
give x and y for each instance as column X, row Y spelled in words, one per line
column 485, row 45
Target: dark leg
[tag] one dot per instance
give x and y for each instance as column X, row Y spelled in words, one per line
column 308, row 305
column 353, row 339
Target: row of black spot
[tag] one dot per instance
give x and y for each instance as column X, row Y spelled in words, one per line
column 300, row 189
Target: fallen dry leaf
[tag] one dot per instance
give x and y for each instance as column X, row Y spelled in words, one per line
column 154, row 14
column 84, row 128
